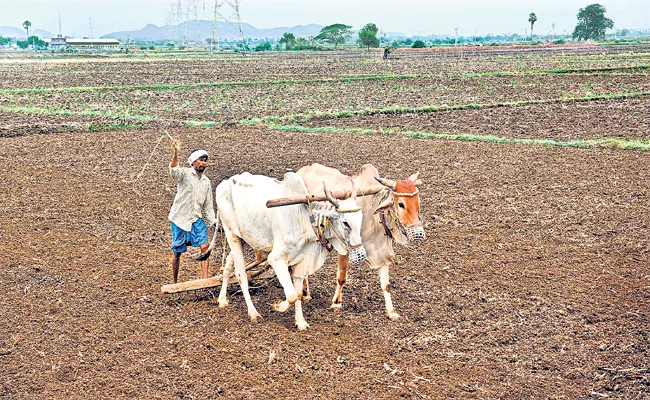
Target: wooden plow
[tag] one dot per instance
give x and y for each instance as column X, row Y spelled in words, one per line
column 259, row 273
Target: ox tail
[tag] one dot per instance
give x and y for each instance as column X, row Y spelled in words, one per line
column 206, row 255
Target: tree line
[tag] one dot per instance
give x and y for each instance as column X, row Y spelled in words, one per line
column 592, row 25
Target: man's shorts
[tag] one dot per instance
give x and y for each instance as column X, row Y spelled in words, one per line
column 196, row 237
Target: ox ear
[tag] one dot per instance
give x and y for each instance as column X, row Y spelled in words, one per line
column 383, row 207
column 414, row 178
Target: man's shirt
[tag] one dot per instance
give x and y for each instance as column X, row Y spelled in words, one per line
column 193, row 198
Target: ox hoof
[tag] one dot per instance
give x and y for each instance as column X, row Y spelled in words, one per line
column 336, row 306
column 256, row 318
column 306, row 298
column 223, row 303
column 302, row 325
column 393, row 316
column 280, row 306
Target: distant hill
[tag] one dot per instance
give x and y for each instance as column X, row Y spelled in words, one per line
column 10, row 31
column 193, row 29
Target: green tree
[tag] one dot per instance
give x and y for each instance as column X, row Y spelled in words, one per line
column 335, row 34
column 288, row 39
column 368, row 36
column 418, row 44
column 4, row 41
column 532, row 18
column 266, row 46
column 26, row 26
column 592, row 23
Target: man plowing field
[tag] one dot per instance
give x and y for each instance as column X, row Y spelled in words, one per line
column 192, row 211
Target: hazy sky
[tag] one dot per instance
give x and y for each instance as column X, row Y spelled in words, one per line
column 407, row 16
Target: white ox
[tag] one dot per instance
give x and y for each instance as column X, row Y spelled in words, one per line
column 285, row 233
column 391, row 215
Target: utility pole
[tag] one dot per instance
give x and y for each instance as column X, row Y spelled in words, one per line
column 90, row 28
column 192, row 12
column 553, row 25
column 214, row 27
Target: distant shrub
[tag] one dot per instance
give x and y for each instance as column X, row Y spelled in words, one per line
column 559, row 41
column 418, row 44
column 266, row 46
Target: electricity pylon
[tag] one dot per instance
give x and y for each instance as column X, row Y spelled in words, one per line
column 221, row 9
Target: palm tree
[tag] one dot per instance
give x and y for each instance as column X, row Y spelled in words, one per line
column 26, row 25
column 532, row 18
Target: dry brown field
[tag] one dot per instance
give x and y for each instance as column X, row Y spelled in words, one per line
column 533, row 281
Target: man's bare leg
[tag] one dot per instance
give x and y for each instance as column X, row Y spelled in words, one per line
column 204, row 272
column 176, row 262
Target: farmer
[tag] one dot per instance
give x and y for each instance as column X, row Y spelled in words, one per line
column 192, row 211
column 387, row 51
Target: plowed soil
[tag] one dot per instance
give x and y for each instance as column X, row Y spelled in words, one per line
column 623, row 118
column 533, row 282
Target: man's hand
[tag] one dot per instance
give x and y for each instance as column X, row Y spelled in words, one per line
column 176, row 150
column 176, row 146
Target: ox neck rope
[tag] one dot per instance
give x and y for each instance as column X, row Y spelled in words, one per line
column 392, row 211
column 315, row 225
column 320, row 223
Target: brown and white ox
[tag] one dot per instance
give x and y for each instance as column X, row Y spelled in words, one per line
column 390, row 216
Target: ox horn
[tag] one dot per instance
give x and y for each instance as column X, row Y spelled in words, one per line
column 386, row 182
column 414, row 178
column 353, row 195
column 329, row 196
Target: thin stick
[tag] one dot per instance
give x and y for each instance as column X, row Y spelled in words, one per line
column 149, row 159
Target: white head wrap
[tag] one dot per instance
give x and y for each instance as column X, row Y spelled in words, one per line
column 196, row 155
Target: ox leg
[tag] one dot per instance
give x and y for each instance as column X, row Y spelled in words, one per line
column 260, row 255
column 240, row 272
column 341, row 277
column 227, row 272
column 305, row 290
column 300, row 319
column 282, row 272
column 384, row 280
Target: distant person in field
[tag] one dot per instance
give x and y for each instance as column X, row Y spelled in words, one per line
column 192, row 211
column 387, row 51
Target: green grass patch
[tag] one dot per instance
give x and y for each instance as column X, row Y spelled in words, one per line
column 616, row 143
column 111, row 127
column 201, row 124
column 359, row 78
column 77, row 89
column 49, row 111
column 428, row 109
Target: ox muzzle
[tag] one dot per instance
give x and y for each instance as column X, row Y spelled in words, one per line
column 357, row 254
column 415, row 234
